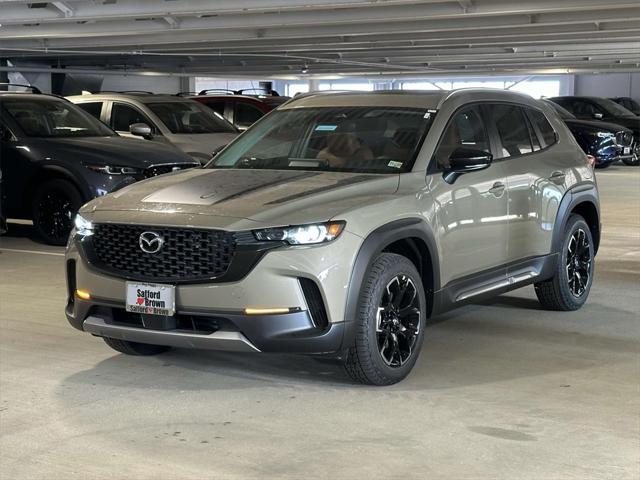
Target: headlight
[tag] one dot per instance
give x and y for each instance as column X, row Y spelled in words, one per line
column 114, row 169
column 302, row 234
column 84, row 227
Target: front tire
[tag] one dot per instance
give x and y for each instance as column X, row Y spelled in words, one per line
column 390, row 326
column 134, row 348
column 569, row 288
column 54, row 207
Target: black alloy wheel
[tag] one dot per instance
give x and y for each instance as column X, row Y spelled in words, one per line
column 398, row 322
column 388, row 331
column 570, row 285
column 578, row 263
column 53, row 210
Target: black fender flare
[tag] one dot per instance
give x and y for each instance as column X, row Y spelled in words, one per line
column 372, row 246
column 580, row 193
column 49, row 171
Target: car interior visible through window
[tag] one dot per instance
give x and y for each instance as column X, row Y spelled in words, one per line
column 363, row 139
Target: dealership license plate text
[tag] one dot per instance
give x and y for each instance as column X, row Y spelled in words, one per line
column 150, row 298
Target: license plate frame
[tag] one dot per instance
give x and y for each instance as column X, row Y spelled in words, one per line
column 151, row 298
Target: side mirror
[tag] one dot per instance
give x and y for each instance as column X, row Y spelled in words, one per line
column 598, row 116
column 464, row 160
column 141, row 130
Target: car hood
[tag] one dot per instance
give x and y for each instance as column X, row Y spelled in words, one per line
column 113, row 150
column 632, row 123
column 269, row 197
column 595, row 125
column 202, row 143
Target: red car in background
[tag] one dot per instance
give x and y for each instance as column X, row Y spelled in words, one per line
column 240, row 107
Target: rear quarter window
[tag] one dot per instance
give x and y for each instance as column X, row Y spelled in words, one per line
column 543, row 126
column 92, row 108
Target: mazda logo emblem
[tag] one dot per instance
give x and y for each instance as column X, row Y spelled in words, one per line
column 150, row 242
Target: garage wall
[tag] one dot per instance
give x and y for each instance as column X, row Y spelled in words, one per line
column 139, row 82
column 608, row 85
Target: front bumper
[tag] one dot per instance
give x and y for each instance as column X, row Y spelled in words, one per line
column 211, row 315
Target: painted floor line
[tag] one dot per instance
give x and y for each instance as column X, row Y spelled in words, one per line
column 39, row 252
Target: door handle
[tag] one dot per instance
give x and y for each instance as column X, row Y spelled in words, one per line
column 557, row 178
column 497, row 190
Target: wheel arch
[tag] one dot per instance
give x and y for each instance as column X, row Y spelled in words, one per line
column 582, row 200
column 410, row 237
column 52, row 172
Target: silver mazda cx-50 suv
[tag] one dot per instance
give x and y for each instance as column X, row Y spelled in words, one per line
column 339, row 225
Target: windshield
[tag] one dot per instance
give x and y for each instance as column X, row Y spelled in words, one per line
column 354, row 139
column 563, row 112
column 613, row 109
column 54, row 118
column 190, row 117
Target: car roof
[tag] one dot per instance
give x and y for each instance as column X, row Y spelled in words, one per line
column 578, row 97
column 30, row 96
column 403, row 98
column 137, row 97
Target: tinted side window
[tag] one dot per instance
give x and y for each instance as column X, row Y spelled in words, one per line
column 122, row 116
column 466, row 129
column 584, row 109
column 217, row 106
column 92, row 108
column 246, row 114
column 513, row 130
column 544, row 127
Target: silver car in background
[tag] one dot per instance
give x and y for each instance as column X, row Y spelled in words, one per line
column 191, row 127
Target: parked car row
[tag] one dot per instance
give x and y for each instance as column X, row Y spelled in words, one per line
column 607, row 142
column 56, row 153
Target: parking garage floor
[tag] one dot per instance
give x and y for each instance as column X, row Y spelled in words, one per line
column 503, row 390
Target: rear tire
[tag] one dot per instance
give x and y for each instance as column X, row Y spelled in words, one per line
column 389, row 329
column 134, row 348
column 569, row 288
column 53, row 209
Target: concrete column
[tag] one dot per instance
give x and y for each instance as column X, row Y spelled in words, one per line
column 314, row 84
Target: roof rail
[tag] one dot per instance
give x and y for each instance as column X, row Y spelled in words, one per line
column 30, row 87
column 144, row 92
column 186, row 94
column 260, row 91
column 216, row 90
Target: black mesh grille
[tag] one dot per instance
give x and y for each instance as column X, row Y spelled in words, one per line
column 186, row 254
column 315, row 303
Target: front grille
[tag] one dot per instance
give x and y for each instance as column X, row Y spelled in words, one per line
column 624, row 139
column 156, row 170
column 185, row 255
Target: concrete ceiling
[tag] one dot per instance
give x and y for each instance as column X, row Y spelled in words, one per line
column 298, row 38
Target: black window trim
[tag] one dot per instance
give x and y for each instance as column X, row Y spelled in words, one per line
column 432, row 167
column 494, row 137
column 537, row 129
column 154, row 129
column 524, row 107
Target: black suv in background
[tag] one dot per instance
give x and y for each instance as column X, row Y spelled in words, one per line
column 596, row 108
column 606, row 142
column 628, row 103
column 54, row 157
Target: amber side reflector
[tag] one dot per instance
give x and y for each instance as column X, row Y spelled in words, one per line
column 83, row 294
column 266, row 311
